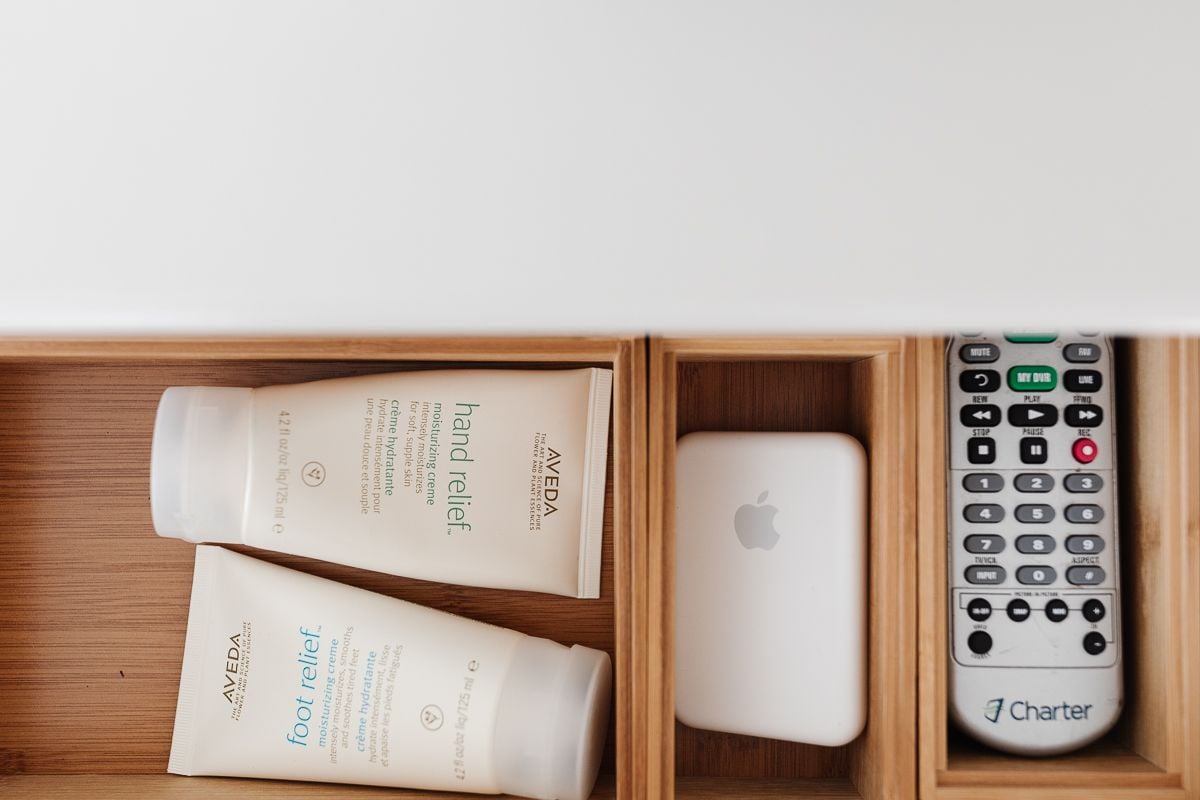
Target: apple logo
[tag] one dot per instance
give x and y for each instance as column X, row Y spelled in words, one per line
column 755, row 525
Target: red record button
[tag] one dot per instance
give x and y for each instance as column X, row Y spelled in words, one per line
column 1084, row 450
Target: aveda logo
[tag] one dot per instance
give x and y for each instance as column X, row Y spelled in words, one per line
column 551, row 481
column 1028, row 711
column 233, row 657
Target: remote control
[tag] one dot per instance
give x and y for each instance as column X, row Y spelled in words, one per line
column 1035, row 634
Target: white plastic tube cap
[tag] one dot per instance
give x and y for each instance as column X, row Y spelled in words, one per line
column 552, row 720
column 199, row 463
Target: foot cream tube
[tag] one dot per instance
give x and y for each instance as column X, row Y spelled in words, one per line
column 286, row 675
column 477, row 477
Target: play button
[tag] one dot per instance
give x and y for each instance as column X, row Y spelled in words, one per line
column 1032, row 415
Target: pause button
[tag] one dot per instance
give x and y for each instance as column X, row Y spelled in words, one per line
column 1033, row 450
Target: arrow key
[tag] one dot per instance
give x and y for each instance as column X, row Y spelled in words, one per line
column 1083, row 416
column 980, row 416
column 1032, row 415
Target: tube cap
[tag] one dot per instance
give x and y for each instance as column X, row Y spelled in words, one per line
column 552, row 720
column 199, row 463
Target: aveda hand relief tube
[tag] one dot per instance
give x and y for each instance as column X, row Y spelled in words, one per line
column 291, row 676
column 476, row 477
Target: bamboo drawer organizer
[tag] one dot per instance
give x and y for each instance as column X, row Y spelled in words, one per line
column 94, row 605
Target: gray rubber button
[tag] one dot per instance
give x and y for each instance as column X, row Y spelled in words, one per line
column 1082, row 513
column 984, row 544
column 1034, row 482
column 983, row 482
column 1085, row 545
column 1085, row 575
column 1035, row 544
column 1083, row 482
column 983, row 512
column 1035, row 513
column 1036, row 576
column 987, row 575
column 1082, row 353
column 979, row 353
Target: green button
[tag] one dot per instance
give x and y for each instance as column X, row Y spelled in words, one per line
column 1032, row 379
column 1026, row 337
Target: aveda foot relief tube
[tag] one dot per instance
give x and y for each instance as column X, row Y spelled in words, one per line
column 290, row 676
column 477, row 477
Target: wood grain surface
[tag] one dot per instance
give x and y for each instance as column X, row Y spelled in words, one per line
column 95, row 604
column 175, row 787
column 1189, row 466
column 785, row 384
column 1153, row 750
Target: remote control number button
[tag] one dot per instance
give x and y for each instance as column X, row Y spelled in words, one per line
column 979, row 381
column 1083, row 415
column 1036, row 576
column 1030, row 337
column 1032, row 415
column 1082, row 353
column 979, row 609
column 1035, row 544
column 1094, row 643
column 980, row 642
column 1018, row 610
column 979, row 416
column 1084, row 450
column 983, row 513
column 1085, row 576
column 981, row 450
column 984, row 544
column 986, row 575
column 979, row 353
column 1035, row 513
column 1033, row 450
column 1056, row 610
column 1084, row 381
column 1084, row 514
column 1083, row 483
column 1085, row 545
column 983, row 482
column 1034, row 482
column 1093, row 610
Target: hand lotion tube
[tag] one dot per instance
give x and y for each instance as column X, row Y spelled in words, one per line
column 290, row 676
column 476, row 477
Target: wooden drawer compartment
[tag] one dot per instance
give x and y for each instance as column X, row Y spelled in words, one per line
column 856, row 386
column 94, row 604
column 1154, row 751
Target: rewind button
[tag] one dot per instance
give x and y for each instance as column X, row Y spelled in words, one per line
column 980, row 416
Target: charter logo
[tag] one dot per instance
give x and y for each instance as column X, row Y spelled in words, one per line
column 1028, row 711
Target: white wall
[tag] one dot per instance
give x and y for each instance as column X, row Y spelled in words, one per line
column 513, row 165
